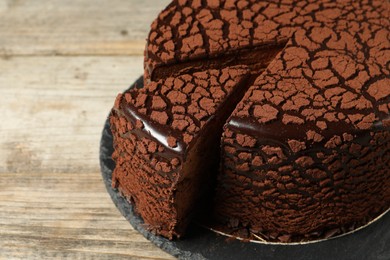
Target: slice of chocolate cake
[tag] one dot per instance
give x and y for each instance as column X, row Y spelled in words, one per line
column 306, row 153
column 166, row 139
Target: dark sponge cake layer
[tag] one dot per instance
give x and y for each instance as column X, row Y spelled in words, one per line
column 166, row 139
column 307, row 149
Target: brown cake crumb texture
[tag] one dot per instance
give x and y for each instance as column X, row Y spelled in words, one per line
column 306, row 152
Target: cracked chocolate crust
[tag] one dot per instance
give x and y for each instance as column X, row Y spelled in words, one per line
column 200, row 30
column 293, row 192
column 338, row 52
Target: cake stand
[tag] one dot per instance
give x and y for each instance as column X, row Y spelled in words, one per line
column 371, row 242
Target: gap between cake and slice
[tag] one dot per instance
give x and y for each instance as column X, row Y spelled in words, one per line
column 307, row 142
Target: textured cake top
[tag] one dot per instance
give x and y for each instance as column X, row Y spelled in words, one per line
column 331, row 73
column 334, row 69
column 193, row 29
column 175, row 109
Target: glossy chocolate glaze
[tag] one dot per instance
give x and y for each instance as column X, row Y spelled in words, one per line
column 152, row 129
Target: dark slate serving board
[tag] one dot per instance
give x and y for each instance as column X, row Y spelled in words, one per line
column 369, row 243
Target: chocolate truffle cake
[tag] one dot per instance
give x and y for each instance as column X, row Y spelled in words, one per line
column 166, row 137
column 304, row 90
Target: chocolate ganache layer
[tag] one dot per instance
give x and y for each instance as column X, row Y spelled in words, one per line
column 304, row 155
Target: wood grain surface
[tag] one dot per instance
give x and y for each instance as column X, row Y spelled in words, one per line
column 76, row 27
column 61, row 65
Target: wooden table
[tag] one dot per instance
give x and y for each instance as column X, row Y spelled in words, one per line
column 61, row 65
